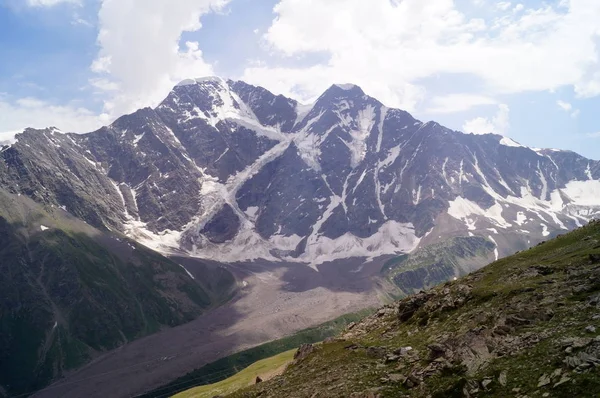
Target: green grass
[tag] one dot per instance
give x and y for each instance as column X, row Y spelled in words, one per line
column 229, row 366
column 263, row 368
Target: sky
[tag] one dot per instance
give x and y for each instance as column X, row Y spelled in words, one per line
column 528, row 69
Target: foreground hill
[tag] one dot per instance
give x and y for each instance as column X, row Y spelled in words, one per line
column 70, row 292
column 525, row 326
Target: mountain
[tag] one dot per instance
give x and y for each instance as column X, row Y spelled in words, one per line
column 525, row 326
column 226, row 170
column 71, row 292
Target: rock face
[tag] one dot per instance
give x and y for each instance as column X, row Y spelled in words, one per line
column 520, row 327
column 226, row 170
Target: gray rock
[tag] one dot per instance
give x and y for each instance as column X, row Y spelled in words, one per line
column 544, row 380
column 503, row 378
column 485, row 383
column 590, row 329
column 304, row 351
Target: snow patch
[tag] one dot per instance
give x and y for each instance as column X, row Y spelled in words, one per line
column 137, row 139
column 188, row 272
column 392, row 237
column 44, row 228
column 521, row 218
column 511, row 143
column 302, row 110
column 382, row 114
column 358, row 144
column 584, row 193
column 282, row 242
column 252, row 211
column 464, row 209
column 346, row 86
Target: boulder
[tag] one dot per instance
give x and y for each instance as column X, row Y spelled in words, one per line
column 304, row 351
column 410, row 305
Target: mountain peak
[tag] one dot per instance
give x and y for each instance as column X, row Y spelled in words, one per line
column 346, row 89
column 212, row 79
column 347, row 86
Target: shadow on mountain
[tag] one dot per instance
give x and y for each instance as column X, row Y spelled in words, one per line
column 68, row 297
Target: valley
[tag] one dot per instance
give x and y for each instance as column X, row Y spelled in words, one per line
column 274, row 300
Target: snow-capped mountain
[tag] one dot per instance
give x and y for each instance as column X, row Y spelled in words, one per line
column 226, row 170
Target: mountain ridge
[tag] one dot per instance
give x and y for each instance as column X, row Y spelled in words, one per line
column 380, row 181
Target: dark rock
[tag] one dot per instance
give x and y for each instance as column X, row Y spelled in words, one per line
column 303, row 351
column 408, row 307
column 436, row 350
column 376, row 352
column 391, row 358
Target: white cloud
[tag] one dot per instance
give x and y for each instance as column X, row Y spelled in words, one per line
column 503, row 5
column 139, row 59
column 33, row 112
column 458, row 102
column 79, row 21
column 567, row 107
column 384, row 47
column 594, row 135
column 50, row 3
column 498, row 124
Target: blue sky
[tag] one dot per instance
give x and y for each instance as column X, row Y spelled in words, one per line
column 526, row 69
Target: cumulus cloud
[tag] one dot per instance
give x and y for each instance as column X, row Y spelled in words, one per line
column 33, row 112
column 385, row 47
column 498, row 124
column 140, row 58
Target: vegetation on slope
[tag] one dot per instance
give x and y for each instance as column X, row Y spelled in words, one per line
column 231, row 365
column 525, row 326
column 265, row 369
column 69, row 292
column 437, row 263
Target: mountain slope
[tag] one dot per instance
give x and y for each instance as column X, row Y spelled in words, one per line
column 226, row 170
column 523, row 326
column 70, row 292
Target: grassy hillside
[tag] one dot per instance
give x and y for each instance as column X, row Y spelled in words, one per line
column 70, row 292
column 231, row 365
column 525, row 326
column 265, row 369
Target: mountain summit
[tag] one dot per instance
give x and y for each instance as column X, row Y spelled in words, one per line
column 223, row 169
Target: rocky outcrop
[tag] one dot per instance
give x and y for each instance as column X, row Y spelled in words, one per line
column 524, row 326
